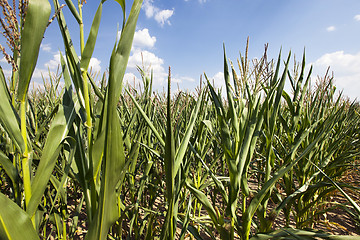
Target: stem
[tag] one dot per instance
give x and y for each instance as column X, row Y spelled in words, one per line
column 64, row 223
column 88, row 123
column 25, row 156
column 81, row 28
column 232, row 233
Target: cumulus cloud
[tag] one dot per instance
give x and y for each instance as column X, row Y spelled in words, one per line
column 149, row 61
column 357, row 17
column 181, row 79
column 160, row 16
column 149, row 8
column 53, row 63
column 346, row 68
column 331, row 28
column 218, row 80
column 38, row 74
column 94, row 65
column 45, row 47
column 142, row 55
column 142, row 39
column 163, row 16
column 131, row 78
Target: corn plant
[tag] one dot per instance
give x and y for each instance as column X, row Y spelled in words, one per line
column 25, row 49
column 66, row 127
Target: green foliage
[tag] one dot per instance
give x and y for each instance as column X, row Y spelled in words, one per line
column 130, row 163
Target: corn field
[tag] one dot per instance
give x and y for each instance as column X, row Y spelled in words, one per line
column 112, row 161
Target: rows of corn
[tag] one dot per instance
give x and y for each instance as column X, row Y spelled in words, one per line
column 105, row 160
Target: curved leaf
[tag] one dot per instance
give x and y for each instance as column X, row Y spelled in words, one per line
column 37, row 17
column 73, row 10
column 8, row 117
column 90, row 42
column 9, row 168
column 58, row 131
column 15, row 224
column 113, row 163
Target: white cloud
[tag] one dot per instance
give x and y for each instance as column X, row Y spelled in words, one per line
column 149, row 8
column 53, row 63
column 346, row 68
column 181, row 79
column 149, row 61
column 131, row 78
column 142, row 39
column 161, row 16
column 45, row 47
column 39, row 73
column 330, row 28
column 357, row 17
column 94, row 65
column 218, row 80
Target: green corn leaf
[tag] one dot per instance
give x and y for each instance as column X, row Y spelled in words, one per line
column 65, row 72
column 221, row 115
column 232, row 111
column 4, row 85
column 113, row 163
column 181, row 151
column 8, row 117
column 216, row 181
column 147, row 119
column 276, row 105
column 9, row 168
column 216, row 99
column 353, row 203
column 186, row 222
column 291, row 233
column 59, row 129
column 37, row 17
column 96, row 88
column 122, row 50
column 295, row 194
column 73, row 10
column 113, row 167
column 15, row 224
column 91, row 41
column 255, row 135
column 168, row 230
column 250, row 211
column 290, row 104
column 71, row 55
column 205, row 202
column 122, row 4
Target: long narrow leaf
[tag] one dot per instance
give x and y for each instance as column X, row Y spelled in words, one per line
column 15, row 224
column 57, row 133
column 8, row 117
column 37, row 17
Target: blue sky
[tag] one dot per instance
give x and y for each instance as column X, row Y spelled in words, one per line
column 188, row 36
